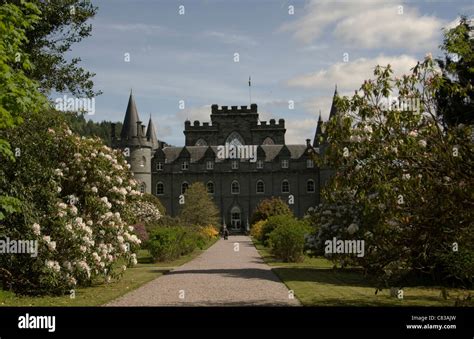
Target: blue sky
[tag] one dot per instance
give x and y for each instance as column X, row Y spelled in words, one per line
column 297, row 57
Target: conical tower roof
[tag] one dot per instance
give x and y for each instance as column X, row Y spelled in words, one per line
column 129, row 128
column 333, row 111
column 151, row 134
column 319, row 131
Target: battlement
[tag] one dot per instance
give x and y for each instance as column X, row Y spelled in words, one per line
column 272, row 124
column 233, row 109
column 197, row 126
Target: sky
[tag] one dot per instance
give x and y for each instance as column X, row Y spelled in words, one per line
column 292, row 54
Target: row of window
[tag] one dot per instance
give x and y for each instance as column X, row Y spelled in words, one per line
column 235, row 187
column 235, row 164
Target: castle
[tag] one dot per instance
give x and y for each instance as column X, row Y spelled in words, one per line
column 236, row 184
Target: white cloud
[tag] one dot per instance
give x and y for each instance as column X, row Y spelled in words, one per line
column 231, row 38
column 297, row 131
column 201, row 113
column 368, row 24
column 350, row 75
column 135, row 28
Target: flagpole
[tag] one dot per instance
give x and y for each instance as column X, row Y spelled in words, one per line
column 250, row 92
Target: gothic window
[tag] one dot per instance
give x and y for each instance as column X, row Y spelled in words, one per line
column 268, row 141
column 310, row 186
column 210, row 187
column 285, row 186
column 235, row 187
column 235, row 139
column 160, row 188
column 260, row 187
column 159, row 166
column 201, row 142
column 184, row 187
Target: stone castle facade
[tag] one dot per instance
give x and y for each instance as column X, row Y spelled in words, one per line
column 236, row 185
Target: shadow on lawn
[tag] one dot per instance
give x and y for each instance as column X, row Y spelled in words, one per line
column 340, row 277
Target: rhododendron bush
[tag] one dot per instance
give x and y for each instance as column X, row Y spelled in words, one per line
column 403, row 182
column 73, row 192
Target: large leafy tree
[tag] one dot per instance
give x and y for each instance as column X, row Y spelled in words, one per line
column 63, row 23
column 455, row 96
column 403, row 184
column 18, row 92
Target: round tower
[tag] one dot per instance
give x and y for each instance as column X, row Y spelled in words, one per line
column 136, row 146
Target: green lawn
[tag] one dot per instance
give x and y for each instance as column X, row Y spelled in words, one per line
column 101, row 294
column 315, row 283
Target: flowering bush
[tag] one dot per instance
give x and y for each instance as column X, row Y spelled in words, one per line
column 209, row 231
column 141, row 232
column 144, row 211
column 257, row 230
column 73, row 192
column 403, row 183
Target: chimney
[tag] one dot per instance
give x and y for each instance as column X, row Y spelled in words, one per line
column 139, row 128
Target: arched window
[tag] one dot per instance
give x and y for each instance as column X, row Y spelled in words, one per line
column 260, row 186
column 285, row 186
column 235, row 187
column 142, row 187
column 235, row 138
column 184, row 187
column 160, row 188
column 142, row 162
column 201, row 142
column 210, row 187
column 310, row 186
column 268, row 141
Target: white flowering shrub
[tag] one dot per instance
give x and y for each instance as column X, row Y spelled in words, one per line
column 340, row 220
column 145, row 211
column 410, row 181
column 73, row 191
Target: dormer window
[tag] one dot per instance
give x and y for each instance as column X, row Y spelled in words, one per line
column 260, row 164
column 185, row 165
column 285, row 163
column 235, row 164
column 159, row 166
column 309, row 163
column 210, row 165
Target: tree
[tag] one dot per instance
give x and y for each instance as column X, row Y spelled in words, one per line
column 198, row 207
column 403, row 184
column 63, row 23
column 18, row 93
column 270, row 207
column 455, row 96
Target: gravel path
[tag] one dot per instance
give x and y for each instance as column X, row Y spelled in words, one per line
column 224, row 275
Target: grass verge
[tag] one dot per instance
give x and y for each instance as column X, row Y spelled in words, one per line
column 315, row 283
column 101, row 294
